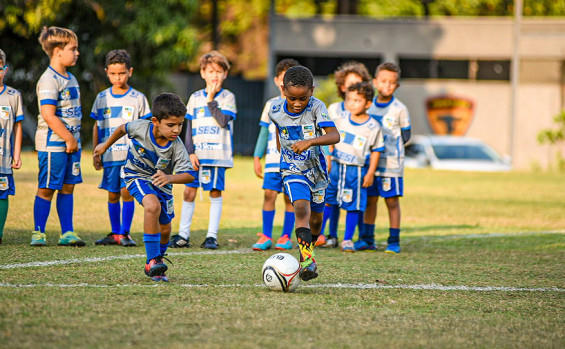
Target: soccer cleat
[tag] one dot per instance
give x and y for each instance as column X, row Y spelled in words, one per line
column 127, row 241
column 263, row 244
column 331, row 242
column 393, row 248
column 321, row 240
column 309, row 270
column 361, row 245
column 70, row 238
column 210, row 243
column 283, row 243
column 155, row 267
column 38, row 239
column 178, row 241
column 110, row 239
column 347, row 246
column 158, row 278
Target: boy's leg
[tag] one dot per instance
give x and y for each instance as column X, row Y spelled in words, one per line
column 285, row 243
column 151, row 235
column 128, row 209
column 65, row 209
column 351, row 221
column 41, row 208
column 4, row 205
column 216, row 203
column 393, row 206
column 182, row 239
column 266, row 236
column 114, row 213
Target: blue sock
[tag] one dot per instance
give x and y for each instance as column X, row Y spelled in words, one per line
column 334, row 220
column 327, row 214
column 114, row 211
column 41, row 208
column 268, row 218
column 152, row 248
column 65, row 207
column 360, row 224
column 369, row 233
column 163, row 248
column 394, row 236
column 127, row 216
column 288, row 225
column 351, row 220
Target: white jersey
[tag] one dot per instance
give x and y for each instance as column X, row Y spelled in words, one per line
column 11, row 111
column 357, row 141
column 309, row 166
column 393, row 117
column 111, row 111
column 213, row 145
column 64, row 93
column 145, row 156
column 272, row 155
column 337, row 111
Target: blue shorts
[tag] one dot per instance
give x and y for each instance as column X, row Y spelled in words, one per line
column 209, row 178
column 346, row 187
column 273, row 181
column 7, row 186
column 297, row 190
column 112, row 180
column 58, row 168
column 139, row 187
column 387, row 187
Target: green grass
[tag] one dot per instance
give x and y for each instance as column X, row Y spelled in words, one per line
column 459, row 229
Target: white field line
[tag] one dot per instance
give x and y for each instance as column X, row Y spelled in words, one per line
column 429, row 287
column 242, row 251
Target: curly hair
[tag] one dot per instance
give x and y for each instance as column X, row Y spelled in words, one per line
column 346, row 69
column 118, row 57
column 363, row 88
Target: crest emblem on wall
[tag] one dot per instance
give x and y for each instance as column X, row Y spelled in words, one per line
column 450, row 115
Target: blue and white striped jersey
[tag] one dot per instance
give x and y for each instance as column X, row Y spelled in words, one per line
column 111, row 111
column 309, row 166
column 11, row 111
column 145, row 156
column 337, row 111
column 213, row 144
column 272, row 155
column 393, row 118
column 64, row 93
column 357, row 141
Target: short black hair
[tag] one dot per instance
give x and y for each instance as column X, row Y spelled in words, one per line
column 363, row 88
column 298, row 76
column 284, row 65
column 166, row 105
column 118, row 57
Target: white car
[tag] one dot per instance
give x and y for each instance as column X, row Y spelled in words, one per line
column 454, row 153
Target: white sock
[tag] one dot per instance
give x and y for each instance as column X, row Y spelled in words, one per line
column 186, row 218
column 215, row 215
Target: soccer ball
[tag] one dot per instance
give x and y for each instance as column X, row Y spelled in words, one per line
column 280, row 272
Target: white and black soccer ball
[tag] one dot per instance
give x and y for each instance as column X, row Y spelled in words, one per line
column 280, row 272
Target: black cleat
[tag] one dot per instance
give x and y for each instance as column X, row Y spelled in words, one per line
column 127, row 241
column 110, row 239
column 210, row 243
column 309, row 272
column 178, row 241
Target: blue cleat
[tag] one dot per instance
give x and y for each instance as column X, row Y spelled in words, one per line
column 393, row 248
column 283, row 243
column 309, row 270
column 361, row 245
column 263, row 244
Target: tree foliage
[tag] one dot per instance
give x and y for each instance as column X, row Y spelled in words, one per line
column 553, row 136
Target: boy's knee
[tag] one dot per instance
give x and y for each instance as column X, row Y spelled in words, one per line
column 151, row 205
column 189, row 194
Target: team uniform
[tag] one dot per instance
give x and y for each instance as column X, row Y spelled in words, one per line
column 11, row 112
column 337, row 111
column 213, row 145
column 111, row 111
column 145, row 157
column 304, row 175
column 393, row 118
column 351, row 162
column 273, row 178
column 56, row 167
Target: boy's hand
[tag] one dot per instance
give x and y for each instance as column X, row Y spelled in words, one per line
column 16, row 163
column 212, row 90
column 99, row 150
column 195, row 162
column 160, row 179
column 368, row 180
column 72, row 145
column 300, row 146
column 257, row 167
column 97, row 162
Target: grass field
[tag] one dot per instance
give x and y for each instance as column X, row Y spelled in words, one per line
column 482, row 266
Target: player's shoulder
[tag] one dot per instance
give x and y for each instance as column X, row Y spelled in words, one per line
column 10, row 91
column 397, row 103
column 372, row 123
column 104, row 93
column 138, row 123
column 227, row 93
column 136, row 93
column 198, row 94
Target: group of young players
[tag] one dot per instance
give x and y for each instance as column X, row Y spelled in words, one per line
column 294, row 128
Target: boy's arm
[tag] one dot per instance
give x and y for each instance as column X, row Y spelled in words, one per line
column 18, row 135
column 373, row 162
column 189, row 144
column 96, row 160
column 406, row 135
column 160, row 178
column 221, row 118
column 117, row 134
column 54, row 123
column 259, row 152
column 331, row 137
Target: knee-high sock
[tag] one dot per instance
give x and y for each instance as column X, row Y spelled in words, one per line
column 114, row 212
column 65, row 207
column 4, row 204
column 268, row 218
column 41, row 208
column 186, row 218
column 163, row 248
column 326, row 217
column 128, row 209
column 394, row 236
column 215, row 215
column 288, row 225
column 351, row 220
column 152, row 248
column 334, row 220
column 369, row 233
column 305, row 245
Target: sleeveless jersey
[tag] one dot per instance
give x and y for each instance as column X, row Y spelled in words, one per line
column 11, row 111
